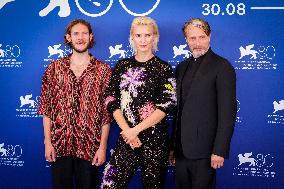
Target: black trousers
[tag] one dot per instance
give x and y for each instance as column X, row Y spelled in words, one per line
column 194, row 174
column 71, row 172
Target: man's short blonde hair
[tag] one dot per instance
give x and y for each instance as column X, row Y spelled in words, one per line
column 197, row 22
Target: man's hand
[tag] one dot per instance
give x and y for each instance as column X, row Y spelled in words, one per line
column 135, row 143
column 50, row 154
column 129, row 135
column 216, row 161
column 100, row 157
column 172, row 159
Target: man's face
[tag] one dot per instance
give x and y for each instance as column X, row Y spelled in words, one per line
column 197, row 40
column 79, row 38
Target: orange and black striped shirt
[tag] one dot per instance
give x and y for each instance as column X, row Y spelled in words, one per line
column 75, row 106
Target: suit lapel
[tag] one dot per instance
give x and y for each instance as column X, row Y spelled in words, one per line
column 180, row 78
column 205, row 63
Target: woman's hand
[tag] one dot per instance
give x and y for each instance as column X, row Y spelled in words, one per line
column 129, row 135
column 136, row 143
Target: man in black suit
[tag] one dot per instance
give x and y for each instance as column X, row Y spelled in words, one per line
column 206, row 111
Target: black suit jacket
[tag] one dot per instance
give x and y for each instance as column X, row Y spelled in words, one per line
column 204, row 125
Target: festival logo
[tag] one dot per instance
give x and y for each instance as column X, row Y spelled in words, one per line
column 260, row 165
column 118, row 51
column 56, row 52
column 277, row 116
column 98, row 8
column 11, row 155
column 64, row 8
column 28, row 106
column 254, row 57
column 9, row 56
column 278, row 106
column 180, row 52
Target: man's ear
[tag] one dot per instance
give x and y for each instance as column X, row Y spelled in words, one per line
column 68, row 37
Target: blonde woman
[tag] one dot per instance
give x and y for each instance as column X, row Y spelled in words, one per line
column 141, row 93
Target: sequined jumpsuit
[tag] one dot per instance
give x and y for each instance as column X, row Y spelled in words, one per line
column 138, row 89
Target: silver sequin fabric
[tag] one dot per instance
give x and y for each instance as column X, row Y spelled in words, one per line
column 138, row 89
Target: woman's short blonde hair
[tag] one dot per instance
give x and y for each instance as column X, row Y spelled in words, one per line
column 145, row 21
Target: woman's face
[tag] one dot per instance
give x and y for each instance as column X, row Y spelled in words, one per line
column 143, row 38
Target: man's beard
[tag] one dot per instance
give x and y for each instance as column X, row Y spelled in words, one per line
column 80, row 50
column 199, row 53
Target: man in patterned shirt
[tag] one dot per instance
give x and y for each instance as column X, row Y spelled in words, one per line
column 75, row 120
